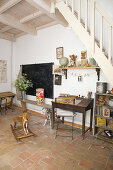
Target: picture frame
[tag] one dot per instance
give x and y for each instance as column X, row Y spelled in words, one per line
column 106, row 112
column 83, row 54
column 58, row 79
column 59, row 52
column 56, row 70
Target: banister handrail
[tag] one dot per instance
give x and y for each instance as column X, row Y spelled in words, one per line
column 99, row 9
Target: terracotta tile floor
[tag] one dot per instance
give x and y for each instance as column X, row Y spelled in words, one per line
column 44, row 152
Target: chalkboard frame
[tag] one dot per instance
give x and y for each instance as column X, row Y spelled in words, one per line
column 41, row 76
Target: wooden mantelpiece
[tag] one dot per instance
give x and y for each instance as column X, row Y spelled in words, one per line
column 68, row 67
column 77, row 67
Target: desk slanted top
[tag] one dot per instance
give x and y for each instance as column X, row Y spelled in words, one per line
column 82, row 103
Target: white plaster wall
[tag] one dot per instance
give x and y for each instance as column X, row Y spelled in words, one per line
column 42, row 49
column 5, row 54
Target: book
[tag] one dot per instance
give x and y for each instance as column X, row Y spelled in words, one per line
column 101, row 121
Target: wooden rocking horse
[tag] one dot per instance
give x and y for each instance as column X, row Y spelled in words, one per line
column 22, row 131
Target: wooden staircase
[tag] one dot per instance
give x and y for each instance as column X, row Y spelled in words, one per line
column 87, row 36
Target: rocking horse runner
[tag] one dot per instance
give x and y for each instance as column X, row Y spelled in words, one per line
column 23, row 131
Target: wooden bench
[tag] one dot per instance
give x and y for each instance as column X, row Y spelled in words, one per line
column 23, row 104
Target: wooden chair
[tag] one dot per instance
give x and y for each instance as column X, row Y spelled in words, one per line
column 20, row 129
column 6, row 103
column 9, row 103
column 3, row 105
column 61, row 117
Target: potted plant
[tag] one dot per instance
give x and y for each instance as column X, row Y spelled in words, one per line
column 23, row 84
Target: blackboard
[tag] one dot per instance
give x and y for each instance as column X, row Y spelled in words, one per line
column 41, row 77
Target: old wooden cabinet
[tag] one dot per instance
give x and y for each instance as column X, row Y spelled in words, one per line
column 103, row 116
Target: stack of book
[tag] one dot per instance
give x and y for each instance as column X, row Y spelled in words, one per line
column 100, row 121
column 99, row 110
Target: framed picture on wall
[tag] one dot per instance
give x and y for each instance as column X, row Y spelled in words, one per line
column 59, row 52
column 56, row 70
column 58, row 79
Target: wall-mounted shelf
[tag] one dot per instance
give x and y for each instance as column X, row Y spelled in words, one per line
column 67, row 68
column 77, row 67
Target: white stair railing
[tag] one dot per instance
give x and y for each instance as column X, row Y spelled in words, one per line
column 103, row 16
column 93, row 24
column 86, row 15
column 110, row 22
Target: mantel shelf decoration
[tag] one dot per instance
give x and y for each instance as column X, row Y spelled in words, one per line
column 83, row 63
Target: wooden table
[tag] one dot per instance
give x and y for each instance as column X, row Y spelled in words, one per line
column 82, row 107
column 6, row 94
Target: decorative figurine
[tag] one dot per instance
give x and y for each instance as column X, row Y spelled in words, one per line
column 73, row 60
column 83, row 54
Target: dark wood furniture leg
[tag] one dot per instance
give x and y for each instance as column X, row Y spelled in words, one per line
column 91, row 119
column 0, row 106
column 52, row 118
column 62, row 119
column 12, row 104
column 83, row 124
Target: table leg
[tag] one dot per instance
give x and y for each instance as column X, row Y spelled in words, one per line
column 91, row 119
column 52, row 118
column 83, row 124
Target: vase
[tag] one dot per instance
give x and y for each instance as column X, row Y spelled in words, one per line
column 23, row 95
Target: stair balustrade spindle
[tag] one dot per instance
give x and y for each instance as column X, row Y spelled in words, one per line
column 93, row 24
column 73, row 3
column 101, row 32
column 110, row 43
column 86, row 15
column 79, row 9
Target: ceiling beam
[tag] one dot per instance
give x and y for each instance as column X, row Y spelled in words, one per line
column 60, row 19
column 31, row 16
column 7, row 36
column 15, row 23
column 20, row 34
column 47, row 25
column 6, row 28
column 8, row 5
